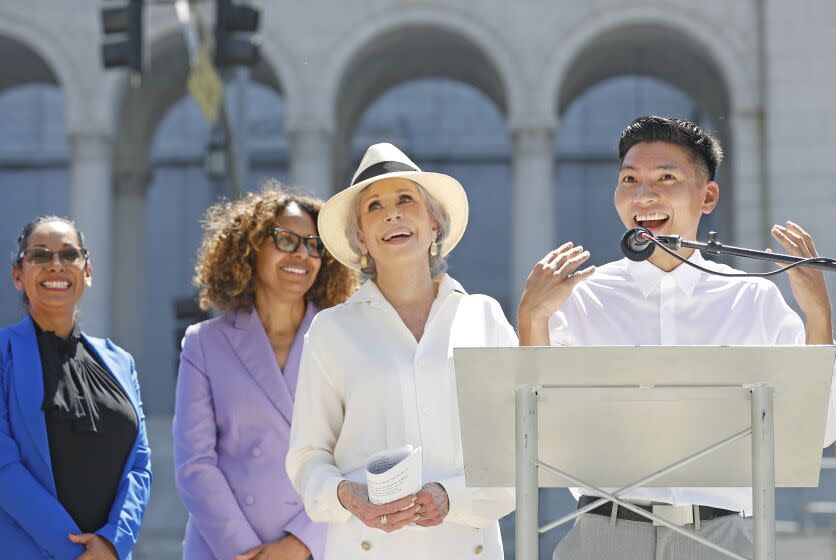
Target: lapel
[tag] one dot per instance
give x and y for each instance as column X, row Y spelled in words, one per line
column 120, row 372
column 294, row 357
column 28, row 378
column 250, row 343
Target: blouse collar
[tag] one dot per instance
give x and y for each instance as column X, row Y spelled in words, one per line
column 370, row 293
column 65, row 346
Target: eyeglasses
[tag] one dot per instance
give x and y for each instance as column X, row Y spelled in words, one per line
column 288, row 241
column 70, row 255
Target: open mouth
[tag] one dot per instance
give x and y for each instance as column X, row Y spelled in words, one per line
column 295, row 270
column 651, row 221
column 397, row 235
column 56, row 284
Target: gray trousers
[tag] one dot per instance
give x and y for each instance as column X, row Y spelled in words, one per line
column 593, row 538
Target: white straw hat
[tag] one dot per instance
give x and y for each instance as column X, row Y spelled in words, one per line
column 384, row 161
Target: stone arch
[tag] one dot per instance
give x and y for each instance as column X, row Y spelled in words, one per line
column 677, row 33
column 658, row 43
column 410, row 44
column 414, row 38
column 41, row 59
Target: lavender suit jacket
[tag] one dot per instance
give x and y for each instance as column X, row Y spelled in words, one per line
column 231, row 428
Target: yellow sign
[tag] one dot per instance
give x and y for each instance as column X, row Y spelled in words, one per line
column 205, row 85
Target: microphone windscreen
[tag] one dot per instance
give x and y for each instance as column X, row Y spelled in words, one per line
column 635, row 247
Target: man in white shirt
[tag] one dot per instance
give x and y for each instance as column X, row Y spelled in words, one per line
column 666, row 183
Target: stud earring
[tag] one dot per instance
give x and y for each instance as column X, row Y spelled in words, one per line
column 433, row 248
column 364, row 261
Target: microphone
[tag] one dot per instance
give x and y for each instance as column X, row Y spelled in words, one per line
column 635, row 246
column 638, row 244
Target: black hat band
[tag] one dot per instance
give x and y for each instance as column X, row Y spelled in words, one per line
column 383, row 168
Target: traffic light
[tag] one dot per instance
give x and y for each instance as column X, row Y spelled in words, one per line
column 122, row 29
column 232, row 48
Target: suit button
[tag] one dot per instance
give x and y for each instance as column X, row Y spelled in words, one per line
column 366, row 545
column 249, row 500
column 478, row 550
column 256, row 452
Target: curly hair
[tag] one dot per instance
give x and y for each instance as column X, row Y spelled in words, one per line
column 234, row 230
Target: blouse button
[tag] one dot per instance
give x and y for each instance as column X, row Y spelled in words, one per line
column 249, row 500
column 478, row 550
column 366, row 545
column 256, row 452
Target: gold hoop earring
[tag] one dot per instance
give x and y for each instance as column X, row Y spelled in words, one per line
column 364, row 261
column 433, row 249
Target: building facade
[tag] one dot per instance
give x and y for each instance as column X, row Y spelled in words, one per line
column 523, row 101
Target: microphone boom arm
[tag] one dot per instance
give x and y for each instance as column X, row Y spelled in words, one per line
column 714, row 247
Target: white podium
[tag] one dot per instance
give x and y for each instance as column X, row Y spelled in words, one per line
column 626, row 417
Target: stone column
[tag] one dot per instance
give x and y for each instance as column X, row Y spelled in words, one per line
column 129, row 259
column 751, row 212
column 91, row 206
column 312, row 158
column 532, row 203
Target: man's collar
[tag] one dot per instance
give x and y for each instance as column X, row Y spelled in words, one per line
column 370, row 293
column 648, row 276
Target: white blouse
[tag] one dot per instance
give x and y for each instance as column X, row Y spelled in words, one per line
column 365, row 385
column 635, row 303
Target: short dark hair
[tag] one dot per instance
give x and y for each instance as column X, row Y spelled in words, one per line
column 26, row 233
column 23, row 239
column 705, row 148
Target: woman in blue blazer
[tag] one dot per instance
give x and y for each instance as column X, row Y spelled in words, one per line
column 75, row 468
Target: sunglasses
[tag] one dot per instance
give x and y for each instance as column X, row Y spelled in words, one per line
column 288, row 241
column 70, row 255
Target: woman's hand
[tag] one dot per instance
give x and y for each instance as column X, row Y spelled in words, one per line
column 434, row 504
column 808, row 286
column 390, row 517
column 98, row 548
column 287, row 548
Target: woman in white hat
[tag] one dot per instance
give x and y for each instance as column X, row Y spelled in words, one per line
column 377, row 372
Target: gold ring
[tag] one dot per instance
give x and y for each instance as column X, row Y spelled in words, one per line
column 383, row 519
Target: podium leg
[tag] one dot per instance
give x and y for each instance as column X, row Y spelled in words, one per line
column 763, row 472
column 527, row 481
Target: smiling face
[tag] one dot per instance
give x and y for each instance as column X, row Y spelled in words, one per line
column 282, row 275
column 57, row 286
column 396, row 226
column 661, row 188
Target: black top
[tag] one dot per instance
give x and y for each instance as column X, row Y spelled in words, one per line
column 91, row 425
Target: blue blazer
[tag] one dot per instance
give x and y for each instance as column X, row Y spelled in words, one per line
column 33, row 523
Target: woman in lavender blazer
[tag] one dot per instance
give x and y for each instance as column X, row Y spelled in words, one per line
column 263, row 265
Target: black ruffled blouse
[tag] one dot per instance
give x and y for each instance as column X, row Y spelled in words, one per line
column 91, row 425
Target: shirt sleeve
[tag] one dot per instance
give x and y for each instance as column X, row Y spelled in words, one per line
column 25, row 500
column 125, row 519
column 203, row 487
column 476, row 507
column 830, row 429
column 309, row 532
column 788, row 329
column 783, row 325
column 559, row 333
column 318, row 415
column 480, row 507
column 505, row 335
